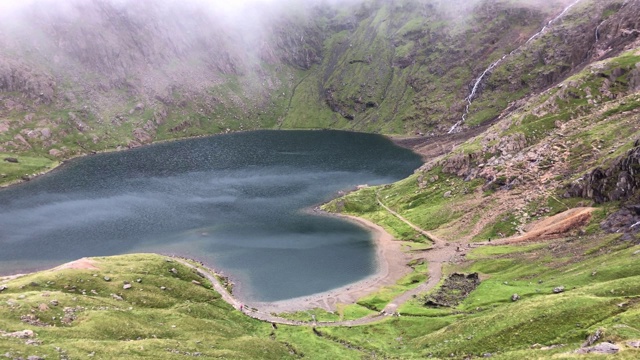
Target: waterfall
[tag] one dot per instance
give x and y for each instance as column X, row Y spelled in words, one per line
column 552, row 21
column 469, row 99
column 473, row 92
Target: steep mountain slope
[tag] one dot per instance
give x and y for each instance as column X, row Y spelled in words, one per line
column 570, row 144
column 92, row 76
column 98, row 75
column 405, row 66
column 575, row 143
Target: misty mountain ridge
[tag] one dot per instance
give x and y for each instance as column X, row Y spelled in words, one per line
column 78, row 77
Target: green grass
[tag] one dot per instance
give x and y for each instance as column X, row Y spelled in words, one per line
column 489, row 322
column 378, row 300
column 487, row 251
column 428, row 207
column 363, row 203
column 311, row 315
column 27, row 166
column 505, row 226
column 343, row 312
column 149, row 322
column 353, row 311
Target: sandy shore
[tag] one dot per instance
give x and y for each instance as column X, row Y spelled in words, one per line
column 391, row 267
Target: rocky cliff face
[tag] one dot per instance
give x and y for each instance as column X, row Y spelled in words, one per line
column 618, row 181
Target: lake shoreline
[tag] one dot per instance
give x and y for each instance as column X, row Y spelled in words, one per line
column 391, row 266
column 66, row 161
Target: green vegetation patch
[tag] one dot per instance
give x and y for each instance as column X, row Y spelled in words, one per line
column 26, row 167
column 165, row 313
column 378, row 300
column 505, row 226
column 363, row 203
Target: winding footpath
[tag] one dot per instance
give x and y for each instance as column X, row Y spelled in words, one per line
column 441, row 253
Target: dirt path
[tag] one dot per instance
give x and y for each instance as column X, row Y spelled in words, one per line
column 436, row 240
column 441, row 253
column 265, row 316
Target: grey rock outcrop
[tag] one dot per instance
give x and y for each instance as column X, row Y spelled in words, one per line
column 634, row 344
column 602, row 348
column 619, row 181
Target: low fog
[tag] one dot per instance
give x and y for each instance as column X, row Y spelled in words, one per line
column 147, row 47
column 46, row 26
column 246, row 14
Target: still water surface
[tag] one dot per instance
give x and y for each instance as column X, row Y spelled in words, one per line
column 233, row 201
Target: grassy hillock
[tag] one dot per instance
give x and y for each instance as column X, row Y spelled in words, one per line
column 78, row 314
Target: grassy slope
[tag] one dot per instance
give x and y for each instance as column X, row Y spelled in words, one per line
column 27, row 165
column 149, row 322
column 599, row 270
column 586, row 132
column 489, row 322
column 600, row 277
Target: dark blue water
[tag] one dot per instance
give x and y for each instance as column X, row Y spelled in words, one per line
column 233, row 201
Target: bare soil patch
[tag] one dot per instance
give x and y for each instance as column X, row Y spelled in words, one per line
column 553, row 227
column 455, row 289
